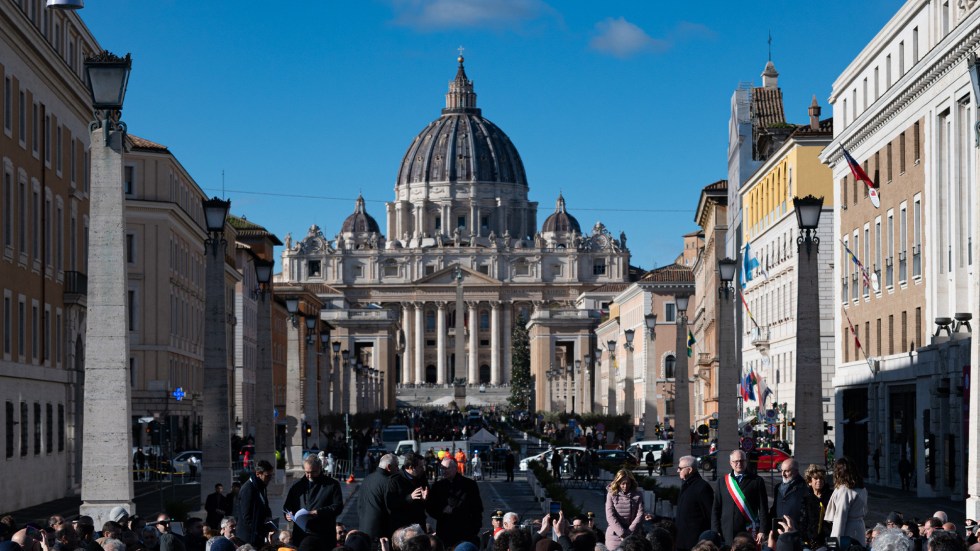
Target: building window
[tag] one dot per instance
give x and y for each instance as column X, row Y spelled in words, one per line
column 47, row 334
column 8, row 105
column 438, row 222
column 843, row 192
column 48, row 429
column 36, row 225
column 73, row 160
column 461, row 222
column 313, row 268
column 917, row 237
column 8, row 210
column 483, row 269
column 131, row 309
column 522, row 269
column 429, row 269
column 57, row 150
column 22, row 118
column 35, row 128
column 24, row 429
column 669, row 363
column 430, row 321
column 37, row 428
column 670, row 312
column 901, row 153
column 888, row 162
column 358, row 270
column 129, row 179
column 599, row 266
column 888, row 71
column 915, row 45
column 915, row 143
column 35, row 332
column 21, row 329
column 61, row 427
column 901, row 59
column 9, row 421
column 484, row 320
column 903, row 222
column 891, row 333
column 47, row 140
column 391, row 269
column 7, row 325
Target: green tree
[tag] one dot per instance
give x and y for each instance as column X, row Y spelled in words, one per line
column 520, row 378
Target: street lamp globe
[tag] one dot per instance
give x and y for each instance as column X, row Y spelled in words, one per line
column 292, row 305
column 215, row 213
column 682, row 301
column 107, row 76
column 808, row 212
column 263, row 271
column 336, row 347
column 311, row 322
column 726, row 270
column 611, row 347
column 345, row 355
column 651, row 321
column 629, row 336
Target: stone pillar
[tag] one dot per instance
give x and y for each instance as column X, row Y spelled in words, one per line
column 652, row 367
column 294, row 400
column 407, row 372
column 265, row 424
column 682, row 399
column 107, row 481
column 808, row 383
column 311, row 401
column 441, row 344
column 629, row 394
column 495, row 343
column 611, row 376
column 728, row 374
column 419, row 342
column 474, row 368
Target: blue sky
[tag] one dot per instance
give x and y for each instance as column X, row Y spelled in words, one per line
column 621, row 106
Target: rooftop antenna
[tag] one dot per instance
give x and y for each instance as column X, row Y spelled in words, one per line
column 223, row 185
column 770, row 45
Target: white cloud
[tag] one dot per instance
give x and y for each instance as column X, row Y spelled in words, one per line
column 619, row 37
column 431, row 15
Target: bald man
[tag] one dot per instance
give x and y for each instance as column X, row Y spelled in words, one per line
column 788, row 495
column 454, row 502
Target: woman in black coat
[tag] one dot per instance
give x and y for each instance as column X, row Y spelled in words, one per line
column 813, row 527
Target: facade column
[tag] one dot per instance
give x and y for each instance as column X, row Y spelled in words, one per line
column 441, row 344
column 650, row 386
column 495, row 343
column 508, row 328
column 419, row 350
column 474, row 358
column 407, row 371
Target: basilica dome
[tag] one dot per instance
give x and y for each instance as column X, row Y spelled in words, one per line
column 461, row 145
column 560, row 220
column 360, row 221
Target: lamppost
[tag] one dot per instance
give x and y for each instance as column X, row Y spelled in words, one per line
column 323, row 371
column 346, row 373
column 588, row 402
column 311, row 401
column 265, row 423
column 650, row 379
column 611, row 379
column 577, row 372
column 216, row 460
column 728, row 372
column 629, row 394
column 107, row 432
column 294, row 391
column 682, row 411
column 335, row 393
column 808, row 387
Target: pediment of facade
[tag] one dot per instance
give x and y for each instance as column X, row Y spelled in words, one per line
column 447, row 276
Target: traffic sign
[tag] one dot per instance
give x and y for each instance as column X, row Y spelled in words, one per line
column 772, row 429
column 713, row 423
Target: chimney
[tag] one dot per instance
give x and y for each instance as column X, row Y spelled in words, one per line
column 814, row 111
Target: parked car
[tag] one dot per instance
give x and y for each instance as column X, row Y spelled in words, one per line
column 639, row 449
column 619, row 456
column 545, row 457
column 180, row 465
column 764, row 459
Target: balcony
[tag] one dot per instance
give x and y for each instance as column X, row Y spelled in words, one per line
column 760, row 337
column 76, row 288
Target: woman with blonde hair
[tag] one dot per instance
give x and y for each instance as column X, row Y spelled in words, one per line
column 848, row 505
column 624, row 508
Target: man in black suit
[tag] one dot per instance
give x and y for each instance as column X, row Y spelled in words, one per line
column 321, row 496
column 412, row 488
column 379, row 499
column 253, row 506
column 215, row 507
column 788, row 495
column 693, row 504
column 727, row 517
column 454, row 501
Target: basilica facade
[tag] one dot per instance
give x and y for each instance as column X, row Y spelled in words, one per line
column 434, row 299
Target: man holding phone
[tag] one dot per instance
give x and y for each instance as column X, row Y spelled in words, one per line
column 454, row 502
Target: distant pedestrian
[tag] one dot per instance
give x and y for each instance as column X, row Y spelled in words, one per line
column 214, row 505
column 477, row 464
column 651, row 462
column 556, row 464
column 253, row 509
column 509, row 465
column 905, row 472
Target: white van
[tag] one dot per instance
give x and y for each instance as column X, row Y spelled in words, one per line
column 392, row 435
column 640, row 449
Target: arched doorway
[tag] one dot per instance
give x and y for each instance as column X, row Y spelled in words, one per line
column 430, row 374
column 484, row 374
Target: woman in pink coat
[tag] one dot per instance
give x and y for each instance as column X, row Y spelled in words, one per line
column 624, row 508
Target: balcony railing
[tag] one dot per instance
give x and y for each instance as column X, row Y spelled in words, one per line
column 76, row 287
column 917, row 261
column 903, row 267
column 889, row 272
column 844, row 287
column 854, row 286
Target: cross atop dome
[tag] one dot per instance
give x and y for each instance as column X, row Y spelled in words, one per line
column 461, row 97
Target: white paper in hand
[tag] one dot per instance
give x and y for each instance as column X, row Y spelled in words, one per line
column 301, row 518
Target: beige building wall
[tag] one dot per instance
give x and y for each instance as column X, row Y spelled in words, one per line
column 711, row 216
column 44, row 203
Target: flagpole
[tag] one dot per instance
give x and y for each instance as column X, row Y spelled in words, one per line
column 858, row 342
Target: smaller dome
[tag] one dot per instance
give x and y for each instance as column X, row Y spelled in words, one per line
column 560, row 220
column 360, row 221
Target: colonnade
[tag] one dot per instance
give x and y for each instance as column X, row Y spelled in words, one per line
column 415, row 358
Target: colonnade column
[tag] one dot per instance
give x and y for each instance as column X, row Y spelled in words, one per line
column 474, row 371
column 508, row 327
column 407, row 372
column 419, row 335
column 441, row 344
column 495, row 343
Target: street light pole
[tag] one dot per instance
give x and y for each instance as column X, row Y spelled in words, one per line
column 294, row 391
column 311, row 402
column 107, row 481
column 650, row 379
column 682, row 411
column 217, row 427
column 728, row 371
column 629, row 385
column 808, row 387
column 611, row 379
column 265, row 422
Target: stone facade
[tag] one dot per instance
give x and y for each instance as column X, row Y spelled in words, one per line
column 461, row 221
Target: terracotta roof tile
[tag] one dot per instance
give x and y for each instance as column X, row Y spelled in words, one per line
column 720, row 185
column 670, row 273
column 767, row 107
column 248, row 228
column 142, row 144
column 826, row 127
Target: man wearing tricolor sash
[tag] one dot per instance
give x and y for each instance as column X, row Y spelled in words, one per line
column 741, row 504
